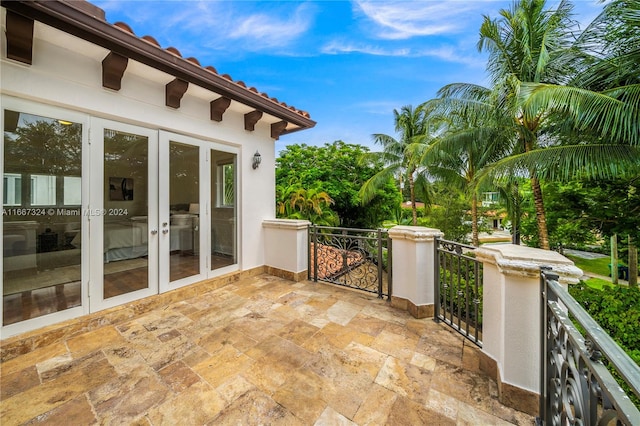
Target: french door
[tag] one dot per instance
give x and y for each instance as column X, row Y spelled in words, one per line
column 198, row 220
column 98, row 213
column 123, row 213
column 183, row 204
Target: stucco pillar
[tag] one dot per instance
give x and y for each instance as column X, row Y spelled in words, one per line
column 413, row 257
column 286, row 248
column 511, row 317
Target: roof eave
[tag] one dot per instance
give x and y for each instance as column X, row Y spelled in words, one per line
column 65, row 17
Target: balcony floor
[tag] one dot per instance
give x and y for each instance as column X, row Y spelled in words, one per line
column 263, row 350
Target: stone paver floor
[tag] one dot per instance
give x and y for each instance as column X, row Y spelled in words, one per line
column 263, row 350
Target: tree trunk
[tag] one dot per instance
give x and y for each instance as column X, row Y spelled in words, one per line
column 633, row 264
column 614, row 259
column 541, row 218
column 515, row 215
column 413, row 200
column 474, row 220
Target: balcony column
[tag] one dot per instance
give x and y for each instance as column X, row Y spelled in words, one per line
column 286, row 248
column 511, row 318
column 413, row 263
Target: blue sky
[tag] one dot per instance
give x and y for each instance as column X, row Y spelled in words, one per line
column 349, row 64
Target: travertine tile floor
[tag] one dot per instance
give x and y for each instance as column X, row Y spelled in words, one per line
column 260, row 351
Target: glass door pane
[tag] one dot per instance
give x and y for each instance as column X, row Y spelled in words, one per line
column 183, row 228
column 125, row 213
column 42, row 202
column 223, row 213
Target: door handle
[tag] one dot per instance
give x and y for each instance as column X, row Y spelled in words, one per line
column 154, row 231
column 165, row 231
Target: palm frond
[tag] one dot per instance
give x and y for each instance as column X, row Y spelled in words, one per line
column 614, row 114
column 564, row 163
column 368, row 190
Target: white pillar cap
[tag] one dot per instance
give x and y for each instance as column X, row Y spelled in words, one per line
column 414, row 233
column 286, row 223
column 526, row 261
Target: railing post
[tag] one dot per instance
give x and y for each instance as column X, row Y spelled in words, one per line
column 309, row 256
column 436, row 277
column 512, row 341
column 315, row 253
column 413, row 266
column 389, row 268
column 543, row 418
column 379, row 242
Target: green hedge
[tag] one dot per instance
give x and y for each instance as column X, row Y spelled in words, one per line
column 617, row 310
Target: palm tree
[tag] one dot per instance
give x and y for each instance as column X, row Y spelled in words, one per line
column 313, row 204
column 601, row 103
column 572, row 106
column 529, row 44
column 589, row 120
column 469, row 139
column 400, row 157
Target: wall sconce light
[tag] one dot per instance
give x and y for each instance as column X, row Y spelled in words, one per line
column 257, row 158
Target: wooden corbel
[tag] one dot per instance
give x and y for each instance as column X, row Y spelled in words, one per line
column 250, row 120
column 113, row 67
column 174, row 92
column 277, row 129
column 218, row 107
column 19, row 38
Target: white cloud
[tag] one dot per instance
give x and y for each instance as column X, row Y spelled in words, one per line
column 219, row 24
column 405, row 19
column 379, row 107
column 337, row 47
column 453, row 54
column 448, row 53
column 271, row 30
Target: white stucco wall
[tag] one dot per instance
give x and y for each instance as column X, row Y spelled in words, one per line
column 66, row 72
column 413, row 263
column 511, row 308
column 286, row 244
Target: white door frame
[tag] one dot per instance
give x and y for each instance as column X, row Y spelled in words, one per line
column 96, row 213
column 28, row 107
column 165, row 138
column 93, row 187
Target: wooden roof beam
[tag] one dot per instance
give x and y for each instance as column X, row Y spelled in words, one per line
column 277, row 129
column 174, row 92
column 19, row 37
column 113, row 67
column 250, row 120
column 218, row 107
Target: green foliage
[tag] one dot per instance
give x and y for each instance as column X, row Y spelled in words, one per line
column 617, row 311
column 295, row 202
column 581, row 210
column 339, row 169
column 61, row 143
column 401, row 157
column 450, row 215
column 564, row 104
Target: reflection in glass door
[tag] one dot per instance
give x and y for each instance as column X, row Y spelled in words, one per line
column 125, row 222
column 223, row 212
column 180, row 215
column 42, row 222
column 123, row 214
column 198, row 210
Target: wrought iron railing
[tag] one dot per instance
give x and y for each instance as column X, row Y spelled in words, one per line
column 576, row 383
column 355, row 258
column 458, row 289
